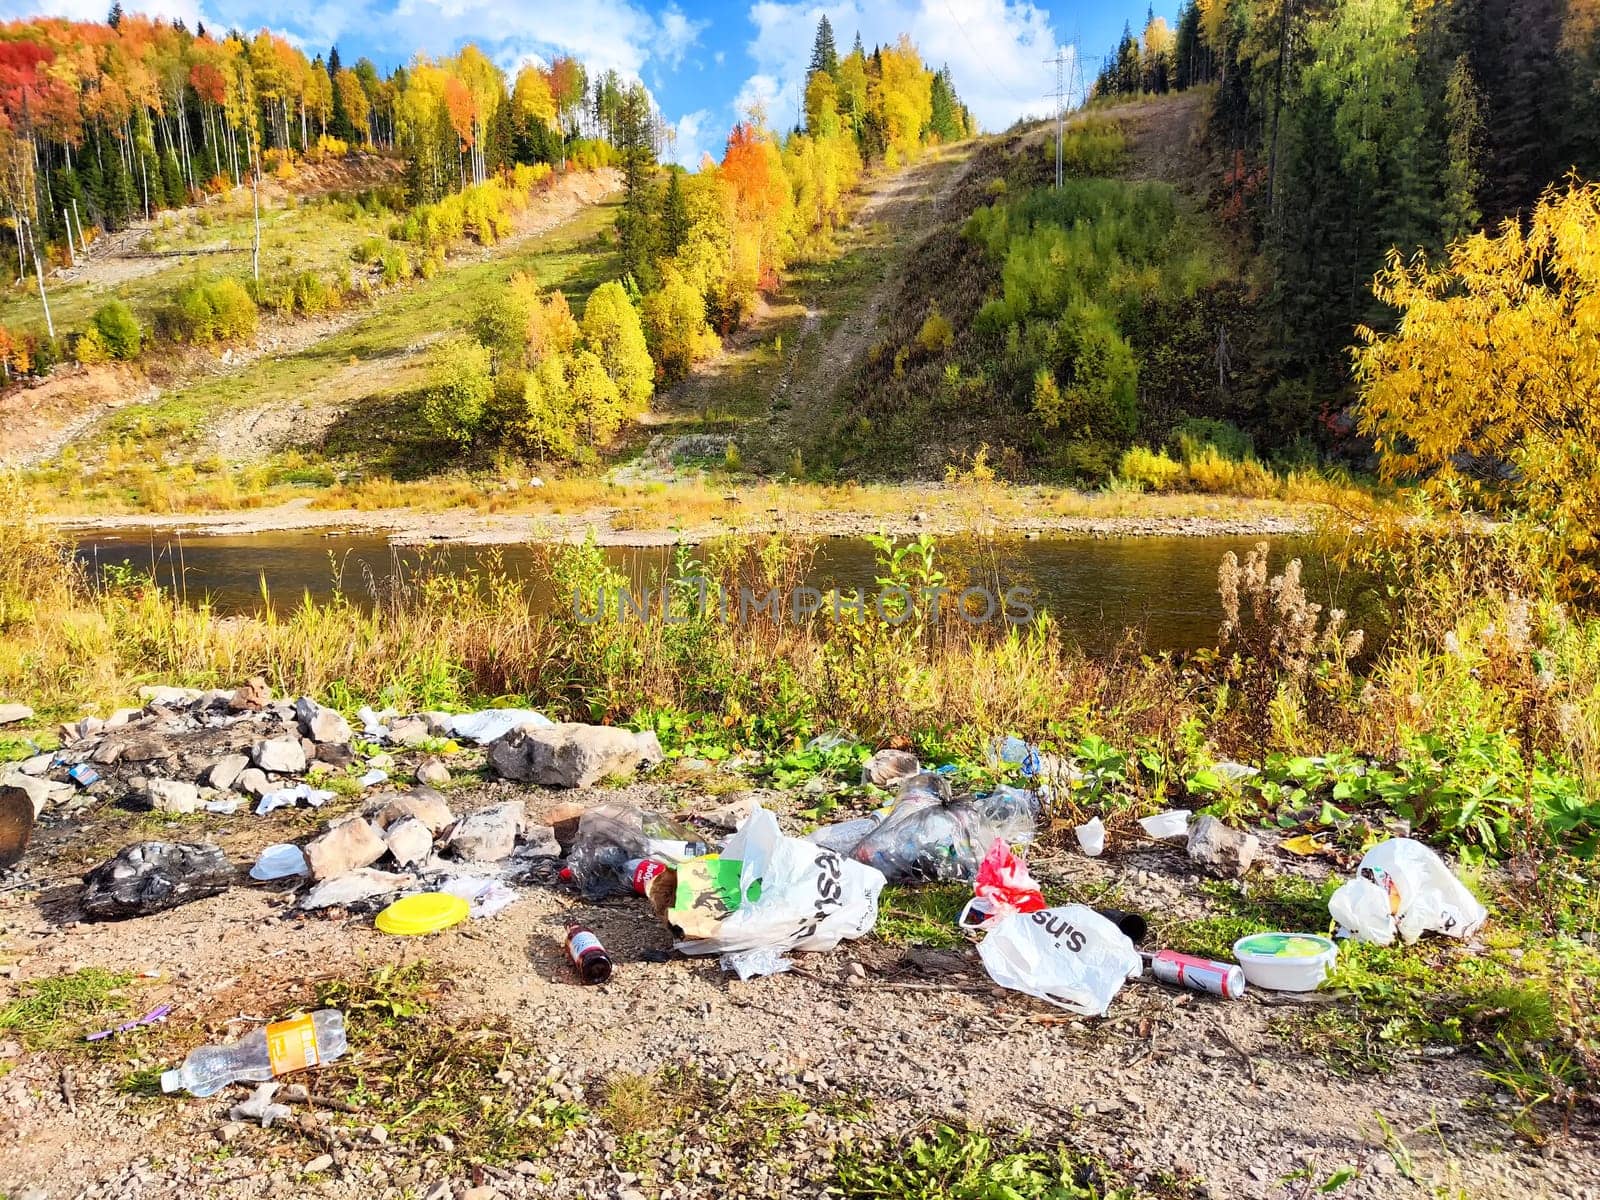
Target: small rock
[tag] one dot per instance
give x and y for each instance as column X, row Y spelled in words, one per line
column 409, row 731
column 170, row 795
column 318, row 1164
column 489, row 834
column 433, row 773
column 10, row 714
column 440, row 724
column 480, row 1193
column 230, row 1131
column 733, row 814
column 409, row 841
column 225, row 772
column 335, row 754
column 378, row 1135
column 321, row 725
column 1222, row 851
column 351, row 843
column 253, row 696
column 36, row 766
column 440, row 1190
column 423, row 803
column 284, row 756
column 253, row 782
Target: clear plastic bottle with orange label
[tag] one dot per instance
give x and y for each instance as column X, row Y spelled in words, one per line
column 307, row 1040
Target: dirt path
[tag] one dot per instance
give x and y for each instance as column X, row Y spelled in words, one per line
column 896, row 211
column 1178, row 1094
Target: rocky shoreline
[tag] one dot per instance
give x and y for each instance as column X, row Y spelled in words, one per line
column 467, row 527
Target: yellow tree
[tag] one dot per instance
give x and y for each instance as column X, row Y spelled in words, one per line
column 1491, row 382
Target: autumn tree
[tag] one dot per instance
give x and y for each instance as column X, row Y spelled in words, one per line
column 1490, row 384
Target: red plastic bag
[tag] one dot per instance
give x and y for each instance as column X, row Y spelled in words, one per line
column 1003, row 888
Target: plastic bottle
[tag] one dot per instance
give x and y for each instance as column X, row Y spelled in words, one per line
column 589, row 957
column 307, row 1040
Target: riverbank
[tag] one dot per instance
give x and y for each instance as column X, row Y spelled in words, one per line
column 688, row 514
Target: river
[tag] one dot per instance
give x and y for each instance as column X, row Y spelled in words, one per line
column 1095, row 588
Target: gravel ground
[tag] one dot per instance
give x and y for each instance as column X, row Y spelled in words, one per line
column 878, row 1041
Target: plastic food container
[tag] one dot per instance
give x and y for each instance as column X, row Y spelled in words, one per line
column 1285, row 962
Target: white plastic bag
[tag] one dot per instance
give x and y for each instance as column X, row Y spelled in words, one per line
column 1403, row 887
column 1071, row 957
column 811, row 898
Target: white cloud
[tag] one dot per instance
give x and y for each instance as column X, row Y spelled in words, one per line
column 996, row 49
column 678, row 35
column 689, row 141
column 765, row 92
column 93, row 10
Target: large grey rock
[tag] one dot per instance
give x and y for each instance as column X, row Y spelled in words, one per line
column 225, row 772
column 283, row 756
column 1222, row 851
column 350, row 844
column 150, row 877
column 887, row 768
column 423, row 803
column 489, row 834
column 174, row 796
column 10, row 714
column 571, row 755
column 321, row 725
column 409, row 841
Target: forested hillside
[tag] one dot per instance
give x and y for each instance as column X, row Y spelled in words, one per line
column 1348, row 128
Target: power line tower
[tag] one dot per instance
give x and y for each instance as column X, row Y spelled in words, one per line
column 1066, row 85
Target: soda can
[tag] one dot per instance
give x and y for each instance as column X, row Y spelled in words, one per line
column 1199, row 974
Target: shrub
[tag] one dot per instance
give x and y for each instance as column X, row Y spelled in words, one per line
column 459, row 389
column 936, row 334
column 89, row 348
column 396, row 265
column 369, row 250
column 313, row 294
column 1212, row 471
column 1192, row 436
column 204, row 312
column 1150, row 468
column 118, row 330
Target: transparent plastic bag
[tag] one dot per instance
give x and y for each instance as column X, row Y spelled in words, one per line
column 1071, row 957
column 929, row 837
column 614, row 838
column 1402, row 887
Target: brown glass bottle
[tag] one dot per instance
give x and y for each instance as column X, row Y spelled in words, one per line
column 589, row 957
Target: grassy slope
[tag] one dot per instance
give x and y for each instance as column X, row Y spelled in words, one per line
column 369, row 365
column 297, row 234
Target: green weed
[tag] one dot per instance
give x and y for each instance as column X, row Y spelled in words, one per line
column 53, row 1013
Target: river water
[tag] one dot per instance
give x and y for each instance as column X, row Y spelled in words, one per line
column 1095, row 588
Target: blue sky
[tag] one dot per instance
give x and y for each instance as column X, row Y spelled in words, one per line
column 704, row 61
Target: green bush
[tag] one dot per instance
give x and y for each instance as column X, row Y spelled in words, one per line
column 118, row 330
column 313, row 294
column 206, row 312
column 1191, row 437
column 396, row 265
column 1150, row 469
column 460, row 385
column 369, row 250
column 936, row 335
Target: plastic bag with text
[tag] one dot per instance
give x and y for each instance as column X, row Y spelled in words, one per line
column 1004, row 887
column 1071, row 957
column 1403, row 887
column 809, row 898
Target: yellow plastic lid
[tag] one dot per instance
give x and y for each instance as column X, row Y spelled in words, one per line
column 427, row 912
